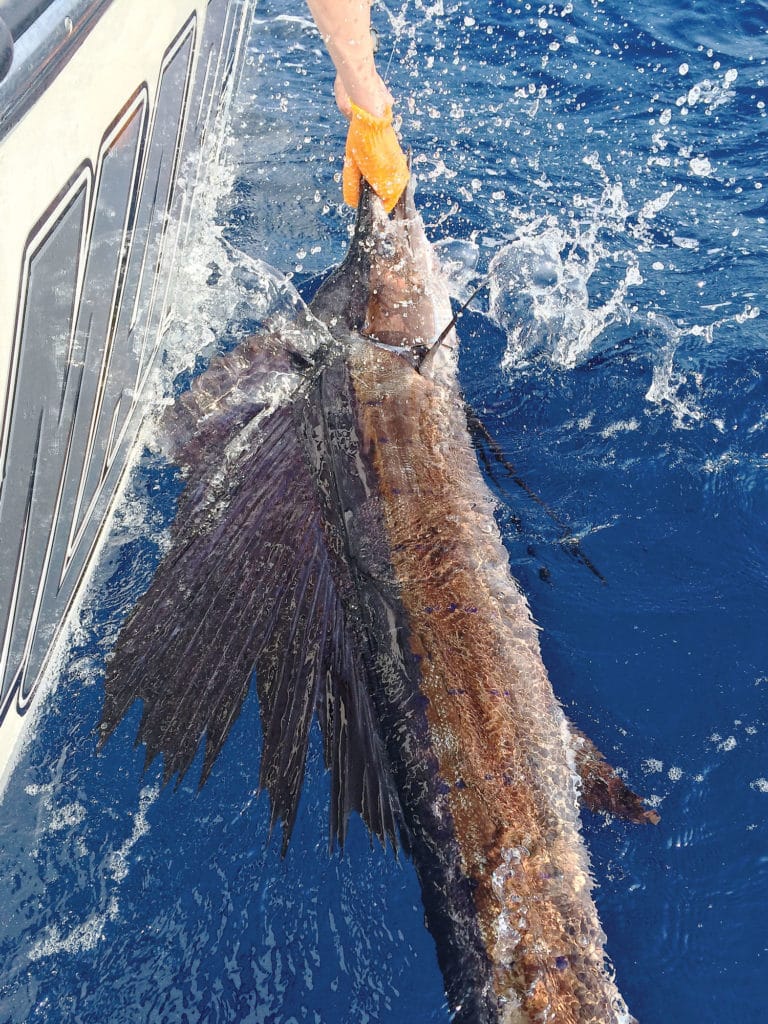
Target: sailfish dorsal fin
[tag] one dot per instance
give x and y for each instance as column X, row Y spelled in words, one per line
column 250, row 582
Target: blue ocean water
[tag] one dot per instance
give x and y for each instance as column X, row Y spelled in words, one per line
column 605, row 163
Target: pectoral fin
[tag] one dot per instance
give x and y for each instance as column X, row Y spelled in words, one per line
column 603, row 789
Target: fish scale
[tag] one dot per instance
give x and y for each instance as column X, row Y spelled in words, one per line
column 504, row 737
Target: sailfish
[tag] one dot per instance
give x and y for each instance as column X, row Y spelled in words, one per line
column 336, row 542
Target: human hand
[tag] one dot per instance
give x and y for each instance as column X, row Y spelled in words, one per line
column 374, row 153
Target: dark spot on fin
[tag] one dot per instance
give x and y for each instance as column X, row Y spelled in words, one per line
column 603, row 789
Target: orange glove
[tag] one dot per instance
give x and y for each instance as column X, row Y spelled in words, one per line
column 374, row 153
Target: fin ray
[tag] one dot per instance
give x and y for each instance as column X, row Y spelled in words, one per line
column 249, row 582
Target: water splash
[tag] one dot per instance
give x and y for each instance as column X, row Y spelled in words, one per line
column 458, row 262
column 672, row 386
column 668, row 381
column 216, row 284
column 540, row 293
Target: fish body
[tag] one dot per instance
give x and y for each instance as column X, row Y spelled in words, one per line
column 343, row 543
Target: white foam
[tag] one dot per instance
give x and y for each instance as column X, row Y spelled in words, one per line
column 619, row 427
column 728, row 744
column 118, row 862
column 66, row 817
column 701, row 166
column 79, row 939
column 87, row 934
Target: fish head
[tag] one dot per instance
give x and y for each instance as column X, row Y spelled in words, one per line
column 390, row 287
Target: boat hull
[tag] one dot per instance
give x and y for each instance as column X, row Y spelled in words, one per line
column 104, row 119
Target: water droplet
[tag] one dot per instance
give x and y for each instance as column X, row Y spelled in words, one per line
column 700, row 166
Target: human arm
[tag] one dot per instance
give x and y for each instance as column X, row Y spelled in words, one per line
column 372, row 150
column 345, row 26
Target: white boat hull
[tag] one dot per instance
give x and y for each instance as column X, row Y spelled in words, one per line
column 97, row 179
